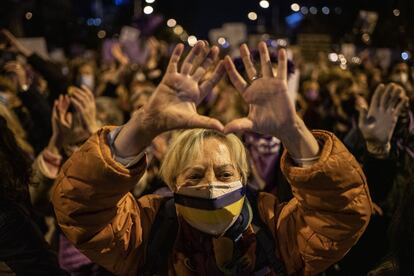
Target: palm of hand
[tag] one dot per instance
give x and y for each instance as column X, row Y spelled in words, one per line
column 379, row 127
column 270, row 108
column 378, row 123
column 173, row 105
column 176, row 97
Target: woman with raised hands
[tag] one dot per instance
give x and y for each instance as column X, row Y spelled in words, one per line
column 210, row 227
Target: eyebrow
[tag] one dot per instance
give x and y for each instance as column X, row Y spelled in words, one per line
column 224, row 166
column 200, row 168
column 196, row 168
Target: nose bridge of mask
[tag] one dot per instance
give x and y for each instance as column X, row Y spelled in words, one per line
column 210, row 197
column 211, row 190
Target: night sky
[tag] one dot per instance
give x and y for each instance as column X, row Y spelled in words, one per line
column 64, row 21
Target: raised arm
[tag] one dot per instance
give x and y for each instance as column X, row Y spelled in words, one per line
column 377, row 122
column 331, row 205
column 173, row 104
column 91, row 197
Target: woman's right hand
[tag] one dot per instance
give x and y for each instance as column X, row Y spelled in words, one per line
column 173, row 104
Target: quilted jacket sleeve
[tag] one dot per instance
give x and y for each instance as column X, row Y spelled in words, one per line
column 97, row 213
column 329, row 212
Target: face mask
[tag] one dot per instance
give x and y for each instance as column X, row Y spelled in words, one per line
column 87, row 80
column 312, row 94
column 212, row 209
column 401, row 78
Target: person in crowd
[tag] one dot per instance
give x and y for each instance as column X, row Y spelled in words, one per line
column 218, row 233
column 401, row 73
column 57, row 81
column 30, row 106
column 70, row 128
column 23, row 250
column 377, row 122
column 84, row 73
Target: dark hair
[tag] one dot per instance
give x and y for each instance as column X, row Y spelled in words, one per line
column 15, row 168
column 402, row 233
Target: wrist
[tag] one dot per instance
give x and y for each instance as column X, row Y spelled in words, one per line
column 299, row 141
column 135, row 135
column 93, row 127
column 53, row 144
column 378, row 150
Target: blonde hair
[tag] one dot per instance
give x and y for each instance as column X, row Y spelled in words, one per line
column 188, row 145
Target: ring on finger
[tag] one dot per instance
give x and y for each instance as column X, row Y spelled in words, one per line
column 254, row 78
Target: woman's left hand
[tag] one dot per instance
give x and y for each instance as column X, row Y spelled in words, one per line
column 271, row 111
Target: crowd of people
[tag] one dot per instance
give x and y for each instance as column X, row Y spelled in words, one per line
column 196, row 163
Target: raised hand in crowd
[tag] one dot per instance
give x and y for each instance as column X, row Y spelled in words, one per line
column 62, row 121
column 270, row 109
column 16, row 44
column 173, row 104
column 119, row 55
column 377, row 122
column 84, row 102
column 14, row 67
column 71, row 128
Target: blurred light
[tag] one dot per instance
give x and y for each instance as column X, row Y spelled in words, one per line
column 252, row 16
column 396, row 12
column 264, row 4
column 326, row 10
column 90, row 21
column 171, row 23
column 273, row 43
column 184, row 37
column 150, row 1
column 304, row 10
column 192, row 40
column 265, row 36
column 356, row 60
column 282, row 42
column 343, row 66
column 295, row 7
column 294, row 19
column 120, row 2
column 178, row 30
column 313, row 10
column 221, row 41
column 148, row 9
column 342, row 59
column 338, row 10
column 101, row 34
column 405, row 55
column 28, row 15
column 97, row 21
column 333, row 57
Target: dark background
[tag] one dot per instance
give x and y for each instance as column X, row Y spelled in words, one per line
column 63, row 22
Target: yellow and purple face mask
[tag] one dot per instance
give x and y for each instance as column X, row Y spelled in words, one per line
column 211, row 208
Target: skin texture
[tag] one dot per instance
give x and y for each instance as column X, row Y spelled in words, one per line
column 173, row 104
column 377, row 122
column 213, row 164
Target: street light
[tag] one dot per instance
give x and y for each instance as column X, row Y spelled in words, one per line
column 264, row 4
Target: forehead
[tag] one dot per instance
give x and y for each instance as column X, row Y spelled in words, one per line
column 212, row 151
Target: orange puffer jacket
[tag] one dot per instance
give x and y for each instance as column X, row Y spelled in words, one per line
column 329, row 212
